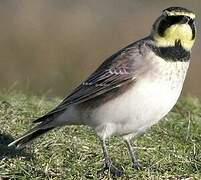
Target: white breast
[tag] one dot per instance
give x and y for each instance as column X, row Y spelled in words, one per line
column 143, row 105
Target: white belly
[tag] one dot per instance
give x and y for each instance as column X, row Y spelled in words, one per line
column 140, row 107
column 149, row 100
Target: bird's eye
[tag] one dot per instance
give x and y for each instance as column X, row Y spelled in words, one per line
column 185, row 19
column 191, row 21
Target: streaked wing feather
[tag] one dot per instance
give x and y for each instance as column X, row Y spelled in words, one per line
column 114, row 72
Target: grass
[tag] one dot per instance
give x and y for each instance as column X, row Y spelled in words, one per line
column 169, row 150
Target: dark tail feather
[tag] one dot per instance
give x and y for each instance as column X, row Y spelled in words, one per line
column 29, row 136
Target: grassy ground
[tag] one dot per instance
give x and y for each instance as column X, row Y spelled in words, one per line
column 169, row 150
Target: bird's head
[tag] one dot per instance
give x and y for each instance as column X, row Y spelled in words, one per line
column 176, row 25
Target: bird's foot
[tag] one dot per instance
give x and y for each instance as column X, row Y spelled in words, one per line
column 137, row 165
column 110, row 168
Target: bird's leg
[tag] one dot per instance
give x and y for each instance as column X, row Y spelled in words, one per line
column 107, row 159
column 108, row 163
column 133, row 155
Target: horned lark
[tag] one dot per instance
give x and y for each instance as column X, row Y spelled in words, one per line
column 132, row 90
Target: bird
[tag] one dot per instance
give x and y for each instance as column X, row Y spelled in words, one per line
column 131, row 90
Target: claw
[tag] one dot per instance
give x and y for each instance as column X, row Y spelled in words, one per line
column 109, row 167
column 137, row 165
column 116, row 172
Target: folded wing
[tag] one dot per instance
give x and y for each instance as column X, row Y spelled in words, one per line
column 115, row 72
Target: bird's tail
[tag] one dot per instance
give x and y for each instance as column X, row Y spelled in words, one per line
column 31, row 135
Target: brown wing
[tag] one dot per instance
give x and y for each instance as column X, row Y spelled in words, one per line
column 116, row 71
